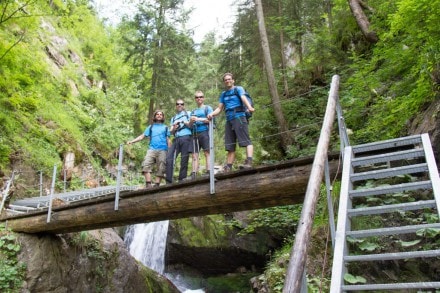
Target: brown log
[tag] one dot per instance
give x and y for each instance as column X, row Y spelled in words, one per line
column 261, row 187
column 362, row 21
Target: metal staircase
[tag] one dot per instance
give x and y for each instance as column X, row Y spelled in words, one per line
column 385, row 184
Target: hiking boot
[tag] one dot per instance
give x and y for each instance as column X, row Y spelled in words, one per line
column 193, row 175
column 148, row 185
column 226, row 169
column 247, row 165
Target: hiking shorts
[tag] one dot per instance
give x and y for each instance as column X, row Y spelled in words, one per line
column 236, row 130
column 199, row 141
column 152, row 158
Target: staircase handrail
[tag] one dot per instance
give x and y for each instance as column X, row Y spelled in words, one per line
column 296, row 269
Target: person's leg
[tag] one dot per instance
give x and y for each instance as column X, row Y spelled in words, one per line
column 207, row 160
column 230, row 158
column 147, row 167
column 161, row 166
column 203, row 144
column 184, row 156
column 230, row 142
column 157, row 181
column 242, row 133
column 147, row 176
column 170, row 163
column 195, row 156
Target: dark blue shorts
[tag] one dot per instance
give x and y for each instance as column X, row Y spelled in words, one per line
column 237, row 131
column 199, row 141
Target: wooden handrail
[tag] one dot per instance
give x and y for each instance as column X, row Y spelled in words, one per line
column 295, row 271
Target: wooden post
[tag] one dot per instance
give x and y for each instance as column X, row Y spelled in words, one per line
column 293, row 281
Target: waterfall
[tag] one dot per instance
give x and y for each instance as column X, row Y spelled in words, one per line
column 147, row 243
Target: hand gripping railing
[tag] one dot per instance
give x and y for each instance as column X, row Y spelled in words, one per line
column 295, row 276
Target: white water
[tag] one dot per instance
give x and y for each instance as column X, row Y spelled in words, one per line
column 147, row 243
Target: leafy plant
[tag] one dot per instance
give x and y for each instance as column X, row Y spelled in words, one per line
column 354, row 279
column 12, row 272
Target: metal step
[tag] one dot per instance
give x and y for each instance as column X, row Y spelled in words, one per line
column 395, row 156
column 392, row 286
column 376, row 210
column 411, row 151
column 386, row 144
column 392, row 255
column 391, row 230
column 379, row 174
column 388, row 189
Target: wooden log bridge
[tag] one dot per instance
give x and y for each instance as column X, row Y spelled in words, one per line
column 261, row 187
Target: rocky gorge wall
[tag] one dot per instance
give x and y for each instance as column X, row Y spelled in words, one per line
column 93, row 261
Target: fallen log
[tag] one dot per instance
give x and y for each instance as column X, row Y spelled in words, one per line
column 261, row 187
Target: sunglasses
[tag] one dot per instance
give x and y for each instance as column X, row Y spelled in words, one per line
column 199, row 97
column 180, row 104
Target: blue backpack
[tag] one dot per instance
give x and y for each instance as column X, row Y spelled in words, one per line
column 243, row 107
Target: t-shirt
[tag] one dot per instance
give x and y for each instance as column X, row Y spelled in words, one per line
column 181, row 117
column 231, row 101
column 201, row 112
column 159, row 134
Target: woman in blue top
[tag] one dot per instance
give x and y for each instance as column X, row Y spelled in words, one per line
column 159, row 135
column 236, row 128
column 199, row 124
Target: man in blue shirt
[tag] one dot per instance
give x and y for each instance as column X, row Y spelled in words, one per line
column 159, row 135
column 236, row 129
column 199, row 124
column 181, row 130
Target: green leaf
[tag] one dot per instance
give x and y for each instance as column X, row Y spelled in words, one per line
column 409, row 243
column 349, row 278
column 368, row 246
column 428, row 232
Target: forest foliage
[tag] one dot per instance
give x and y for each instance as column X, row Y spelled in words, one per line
column 108, row 79
column 91, row 106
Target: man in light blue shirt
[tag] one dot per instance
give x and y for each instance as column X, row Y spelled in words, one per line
column 200, row 139
column 181, row 130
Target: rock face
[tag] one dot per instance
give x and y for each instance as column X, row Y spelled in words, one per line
column 206, row 245
column 94, row 261
column 429, row 122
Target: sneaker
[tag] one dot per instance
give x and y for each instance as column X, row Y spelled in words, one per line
column 193, row 175
column 247, row 165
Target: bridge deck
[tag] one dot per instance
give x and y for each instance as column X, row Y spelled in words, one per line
column 260, row 187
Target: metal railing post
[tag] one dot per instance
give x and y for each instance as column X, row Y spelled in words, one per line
column 64, row 179
column 41, row 183
column 119, row 177
column 331, row 214
column 211, row 157
column 52, row 190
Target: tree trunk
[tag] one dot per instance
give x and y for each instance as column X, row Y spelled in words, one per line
column 283, row 55
column 362, row 21
column 286, row 136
